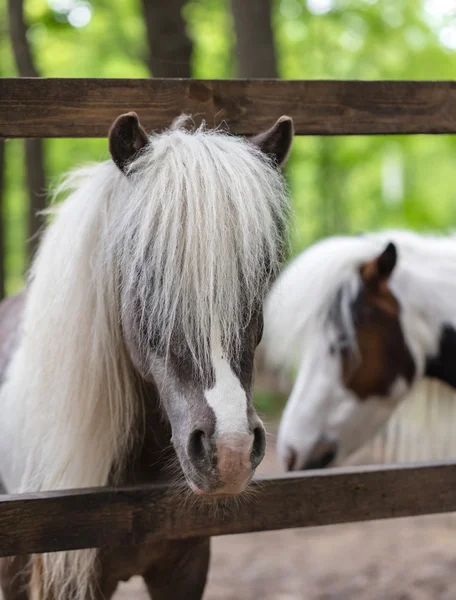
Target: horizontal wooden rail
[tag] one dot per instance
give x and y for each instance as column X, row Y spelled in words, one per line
column 87, row 107
column 106, row 517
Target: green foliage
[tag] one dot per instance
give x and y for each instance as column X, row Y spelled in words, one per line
column 211, row 29
column 339, row 185
column 270, row 403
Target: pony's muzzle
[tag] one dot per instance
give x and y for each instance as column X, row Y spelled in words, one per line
column 233, row 456
column 237, row 457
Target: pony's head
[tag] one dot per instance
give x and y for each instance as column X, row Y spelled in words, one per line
column 197, row 243
column 358, row 318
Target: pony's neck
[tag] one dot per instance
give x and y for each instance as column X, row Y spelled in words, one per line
column 429, row 321
column 442, row 366
column 152, row 456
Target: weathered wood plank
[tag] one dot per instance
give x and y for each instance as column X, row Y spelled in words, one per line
column 96, row 518
column 86, row 107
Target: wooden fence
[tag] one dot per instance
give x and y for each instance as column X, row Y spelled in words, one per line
column 86, row 108
column 47, row 522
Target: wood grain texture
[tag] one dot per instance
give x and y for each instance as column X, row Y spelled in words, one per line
column 87, row 107
column 55, row 521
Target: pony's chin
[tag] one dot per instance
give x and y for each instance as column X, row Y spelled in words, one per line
column 218, row 494
column 202, row 494
column 196, row 490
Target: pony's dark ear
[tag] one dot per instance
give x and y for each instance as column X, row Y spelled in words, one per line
column 126, row 138
column 381, row 267
column 276, row 142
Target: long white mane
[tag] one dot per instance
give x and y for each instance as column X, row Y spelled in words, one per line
column 298, row 306
column 190, row 227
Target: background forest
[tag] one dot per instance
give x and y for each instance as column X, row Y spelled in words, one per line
column 339, row 185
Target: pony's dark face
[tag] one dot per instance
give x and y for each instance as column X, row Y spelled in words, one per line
column 202, row 367
column 216, row 433
column 348, row 388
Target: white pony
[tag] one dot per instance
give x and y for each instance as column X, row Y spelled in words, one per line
column 134, row 341
column 361, row 320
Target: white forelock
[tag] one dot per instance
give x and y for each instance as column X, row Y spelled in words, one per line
column 206, row 213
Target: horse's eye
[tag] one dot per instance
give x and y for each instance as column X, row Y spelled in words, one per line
column 332, row 349
column 343, row 342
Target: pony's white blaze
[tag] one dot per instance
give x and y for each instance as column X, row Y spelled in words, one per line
column 227, row 397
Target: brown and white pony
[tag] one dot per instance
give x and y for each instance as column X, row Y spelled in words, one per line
column 361, row 320
column 133, row 343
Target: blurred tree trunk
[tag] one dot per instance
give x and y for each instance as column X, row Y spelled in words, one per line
column 170, row 48
column 254, row 38
column 2, row 229
column 256, row 58
column 34, row 154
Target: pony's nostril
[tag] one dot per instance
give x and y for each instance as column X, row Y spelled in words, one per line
column 197, row 445
column 322, row 461
column 259, row 446
column 290, row 459
column 328, row 458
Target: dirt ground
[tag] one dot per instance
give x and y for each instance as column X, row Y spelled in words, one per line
column 406, row 559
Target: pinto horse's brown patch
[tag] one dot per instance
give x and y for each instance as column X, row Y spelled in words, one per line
column 382, row 355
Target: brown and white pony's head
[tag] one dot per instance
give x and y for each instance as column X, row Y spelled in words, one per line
column 363, row 318
column 198, row 242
